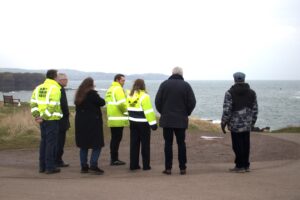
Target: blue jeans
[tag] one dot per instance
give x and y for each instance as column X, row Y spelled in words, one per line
column 94, row 157
column 49, row 132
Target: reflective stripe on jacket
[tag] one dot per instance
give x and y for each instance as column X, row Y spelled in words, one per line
column 116, row 106
column 45, row 101
column 140, row 108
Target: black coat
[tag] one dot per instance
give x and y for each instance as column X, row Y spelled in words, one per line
column 88, row 122
column 175, row 101
column 64, row 123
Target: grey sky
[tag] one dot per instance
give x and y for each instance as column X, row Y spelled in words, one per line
column 209, row 39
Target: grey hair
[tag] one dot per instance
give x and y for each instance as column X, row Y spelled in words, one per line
column 177, row 70
column 61, row 76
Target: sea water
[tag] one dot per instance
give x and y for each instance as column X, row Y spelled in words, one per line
column 278, row 101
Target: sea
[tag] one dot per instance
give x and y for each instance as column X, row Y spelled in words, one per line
column 278, row 101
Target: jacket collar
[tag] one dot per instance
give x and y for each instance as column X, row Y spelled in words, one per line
column 176, row 76
column 115, row 83
column 52, row 82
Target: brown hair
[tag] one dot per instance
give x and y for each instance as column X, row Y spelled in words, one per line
column 51, row 74
column 86, row 85
column 138, row 85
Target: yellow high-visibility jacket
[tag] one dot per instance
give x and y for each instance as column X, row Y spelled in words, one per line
column 45, row 101
column 116, row 106
column 140, row 108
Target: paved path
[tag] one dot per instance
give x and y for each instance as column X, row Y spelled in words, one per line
column 270, row 178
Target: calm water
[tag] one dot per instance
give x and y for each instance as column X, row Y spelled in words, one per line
column 278, row 101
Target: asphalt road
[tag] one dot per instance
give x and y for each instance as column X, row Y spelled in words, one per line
column 275, row 174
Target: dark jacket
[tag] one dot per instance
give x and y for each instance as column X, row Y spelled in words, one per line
column 64, row 123
column 175, row 101
column 240, row 108
column 88, row 122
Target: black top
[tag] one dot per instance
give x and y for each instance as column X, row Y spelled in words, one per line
column 88, row 121
column 175, row 101
column 242, row 96
column 64, row 123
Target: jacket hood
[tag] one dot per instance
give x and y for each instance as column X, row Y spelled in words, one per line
column 240, row 88
column 134, row 98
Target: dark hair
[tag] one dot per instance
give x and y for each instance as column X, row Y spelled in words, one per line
column 86, row 85
column 51, row 74
column 139, row 84
column 118, row 77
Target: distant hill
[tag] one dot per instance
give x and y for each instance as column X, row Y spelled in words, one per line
column 80, row 75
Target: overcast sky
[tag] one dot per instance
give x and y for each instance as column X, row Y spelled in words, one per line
column 209, row 39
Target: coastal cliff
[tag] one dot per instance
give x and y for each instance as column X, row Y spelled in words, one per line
column 19, row 81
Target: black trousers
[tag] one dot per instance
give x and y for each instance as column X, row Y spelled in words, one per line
column 241, row 148
column 116, row 137
column 139, row 134
column 61, row 139
column 180, row 138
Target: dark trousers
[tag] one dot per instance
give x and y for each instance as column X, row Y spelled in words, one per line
column 180, row 138
column 49, row 132
column 241, row 148
column 116, row 137
column 61, row 138
column 139, row 134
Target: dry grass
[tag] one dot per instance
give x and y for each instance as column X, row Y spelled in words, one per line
column 204, row 126
column 19, row 123
column 19, row 130
column 17, row 127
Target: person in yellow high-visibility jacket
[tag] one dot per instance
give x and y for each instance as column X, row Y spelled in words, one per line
column 117, row 118
column 45, row 107
column 142, row 118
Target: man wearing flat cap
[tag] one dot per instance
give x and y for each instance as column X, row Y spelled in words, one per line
column 239, row 115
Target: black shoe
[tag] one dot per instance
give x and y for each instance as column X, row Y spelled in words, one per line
column 117, row 162
column 167, row 172
column 96, row 170
column 84, row 169
column 42, row 170
column 62, row 164
column 182, row 171
column 146, row 168
column 237, row 170
column 53, row 171
column 135, row 168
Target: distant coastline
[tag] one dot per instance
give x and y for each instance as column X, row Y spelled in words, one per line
column 19, row 81
column 14, row 79
column 80, row 75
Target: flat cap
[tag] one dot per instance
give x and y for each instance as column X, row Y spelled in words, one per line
column 239, row 77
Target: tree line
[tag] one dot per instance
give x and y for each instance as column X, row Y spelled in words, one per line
column 20, row 81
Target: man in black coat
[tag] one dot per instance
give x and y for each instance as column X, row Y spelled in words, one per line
column 175, row 101
column 64, row 123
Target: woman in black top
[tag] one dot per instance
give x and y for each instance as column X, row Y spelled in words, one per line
column 89, row 125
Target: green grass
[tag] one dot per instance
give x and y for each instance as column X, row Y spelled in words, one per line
column 19, row 130
column 290, row 129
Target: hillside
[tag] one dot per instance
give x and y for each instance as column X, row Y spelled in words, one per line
column 80, row 75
